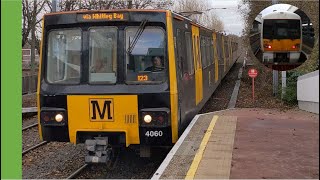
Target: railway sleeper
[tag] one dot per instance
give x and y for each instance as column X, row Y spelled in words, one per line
column 99, row 151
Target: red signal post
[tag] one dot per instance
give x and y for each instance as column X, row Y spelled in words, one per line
column 253, row 73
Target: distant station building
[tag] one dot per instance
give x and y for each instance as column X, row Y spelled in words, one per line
column 26, row 56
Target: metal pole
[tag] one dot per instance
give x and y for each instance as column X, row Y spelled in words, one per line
column 253, row 89
column 275, row 82
column 54, row 6
column 284, row 82
column 58, row 5
column 274, row 72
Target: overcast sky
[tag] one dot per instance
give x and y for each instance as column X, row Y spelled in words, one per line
column 233, row 22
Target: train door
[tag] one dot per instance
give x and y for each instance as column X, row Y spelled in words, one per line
column 216, row 61
column 198, row 64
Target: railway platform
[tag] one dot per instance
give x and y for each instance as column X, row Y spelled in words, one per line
column 246, row 144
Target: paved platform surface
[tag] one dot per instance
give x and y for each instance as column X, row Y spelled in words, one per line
column 246, row 144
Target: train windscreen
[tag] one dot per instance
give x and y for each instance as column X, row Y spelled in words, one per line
column 103, row 55
column 281, row 29
column 145, row 59
column 63, row 56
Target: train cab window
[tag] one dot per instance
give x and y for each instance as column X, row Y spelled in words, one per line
column 63, row 56
column 281, row 29
column 103, row 55
column 145, row 60
column 190, row 63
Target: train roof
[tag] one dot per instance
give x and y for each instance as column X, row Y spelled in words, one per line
column 175, row 14
column 281, row 15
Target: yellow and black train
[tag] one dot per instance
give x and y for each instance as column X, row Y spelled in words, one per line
column 130, row 78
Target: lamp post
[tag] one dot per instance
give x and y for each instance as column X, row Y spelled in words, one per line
column 275, row 74
column 55, row 5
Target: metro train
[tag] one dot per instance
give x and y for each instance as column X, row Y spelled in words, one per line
column 281, row 37
column 126, row 78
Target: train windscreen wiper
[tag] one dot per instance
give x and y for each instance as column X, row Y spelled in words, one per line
column 137, row 36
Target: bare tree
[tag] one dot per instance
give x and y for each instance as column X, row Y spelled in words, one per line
column 143, row 4
column 30, row 20
column 30, row 12
column 212, row 21
column 73, row 5
column 197, row 11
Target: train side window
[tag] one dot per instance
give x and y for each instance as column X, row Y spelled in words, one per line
column 203, row 51
column 226, row 49
column 199, row 57
column 208, row 50
column 211, row 51
column 219, row 47
column 190, row 64
column 179, row 58
column 194, row 40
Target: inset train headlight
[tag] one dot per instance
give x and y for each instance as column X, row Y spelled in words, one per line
column 267, row 46
column 147, row 118
column 59, row 117
column 296, row 46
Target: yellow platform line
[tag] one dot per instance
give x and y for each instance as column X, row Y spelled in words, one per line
column 197, row 158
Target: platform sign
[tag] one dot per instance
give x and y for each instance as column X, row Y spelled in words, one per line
column 253, row 73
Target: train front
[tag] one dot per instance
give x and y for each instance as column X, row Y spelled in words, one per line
column 281, row 37
column 104, row 80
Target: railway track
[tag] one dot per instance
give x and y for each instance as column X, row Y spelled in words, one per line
column 110, row 165
column 34, row 147
column 29, row 126
column 77, row 172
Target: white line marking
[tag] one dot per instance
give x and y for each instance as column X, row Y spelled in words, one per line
column 173, row 151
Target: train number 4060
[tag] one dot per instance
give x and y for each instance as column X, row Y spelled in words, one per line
column 154, row 133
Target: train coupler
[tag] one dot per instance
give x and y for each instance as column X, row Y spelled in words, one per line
column 98, row 150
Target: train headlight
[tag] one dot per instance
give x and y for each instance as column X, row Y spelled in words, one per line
column 147, row 118
column 53, row 116
column 154, row 117
column 59, row 117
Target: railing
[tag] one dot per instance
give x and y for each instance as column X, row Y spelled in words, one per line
column 26, row 87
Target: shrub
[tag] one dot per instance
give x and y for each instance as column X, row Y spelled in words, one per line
column 290, row 96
